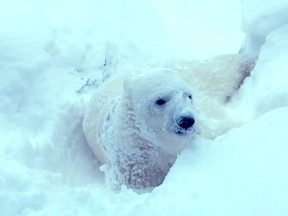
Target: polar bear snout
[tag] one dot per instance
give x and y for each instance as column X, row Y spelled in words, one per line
column 185, row 122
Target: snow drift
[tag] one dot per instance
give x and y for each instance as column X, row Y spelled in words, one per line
column 54, row 53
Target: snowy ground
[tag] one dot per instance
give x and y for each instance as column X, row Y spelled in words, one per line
column 54, row 53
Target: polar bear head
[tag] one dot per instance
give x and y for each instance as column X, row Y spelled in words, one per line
column 162, row 107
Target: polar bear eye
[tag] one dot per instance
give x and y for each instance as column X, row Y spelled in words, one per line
column 160, row 102
column 190, row 97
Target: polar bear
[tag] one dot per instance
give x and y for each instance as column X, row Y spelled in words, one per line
column 136, row 125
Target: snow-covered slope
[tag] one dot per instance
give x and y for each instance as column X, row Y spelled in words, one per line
column 259, row 19
column 54, row 53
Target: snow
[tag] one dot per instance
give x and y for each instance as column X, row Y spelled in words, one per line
column 54, row 53
column 260, row 94
column 229, row 176
column 259, row 18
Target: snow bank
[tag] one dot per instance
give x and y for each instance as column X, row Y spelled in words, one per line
column 52, row 55
column 262, row 17
column 259, row 18
column 267, row 87
column 240, row 173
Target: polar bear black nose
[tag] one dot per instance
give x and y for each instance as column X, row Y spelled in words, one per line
column 186, row 122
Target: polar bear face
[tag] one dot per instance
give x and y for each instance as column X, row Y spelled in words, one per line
column 162, row 104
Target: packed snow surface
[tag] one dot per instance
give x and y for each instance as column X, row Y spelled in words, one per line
column 53, row 54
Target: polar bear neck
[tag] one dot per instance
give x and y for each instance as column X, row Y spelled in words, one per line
column 139, row 163
column 133, row 131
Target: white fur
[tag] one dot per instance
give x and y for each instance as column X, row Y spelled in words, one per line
column 136, row 139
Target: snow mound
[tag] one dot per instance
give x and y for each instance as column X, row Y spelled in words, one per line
column 267, row 87
column 54, row 53
column 240, row 173
column 260, row 18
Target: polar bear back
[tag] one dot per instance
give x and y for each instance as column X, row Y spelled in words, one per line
column 218, row 77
